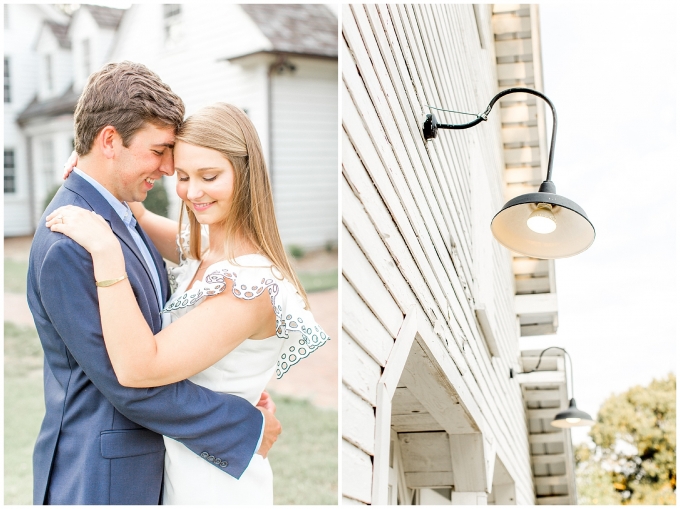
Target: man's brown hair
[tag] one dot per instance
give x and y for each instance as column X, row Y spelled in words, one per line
column 125, row 95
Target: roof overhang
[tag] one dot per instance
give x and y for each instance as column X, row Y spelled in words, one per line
column 552, row 459
column 525, row 149
column 275, row 53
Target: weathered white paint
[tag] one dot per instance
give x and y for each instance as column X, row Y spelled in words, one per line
column 418, row 214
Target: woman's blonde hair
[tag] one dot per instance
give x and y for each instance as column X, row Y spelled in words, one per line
column 228, row 130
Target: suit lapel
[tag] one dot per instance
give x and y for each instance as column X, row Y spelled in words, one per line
column 158, row 260
column 79, row 185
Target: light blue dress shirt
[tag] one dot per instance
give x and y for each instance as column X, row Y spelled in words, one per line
column 123, row 210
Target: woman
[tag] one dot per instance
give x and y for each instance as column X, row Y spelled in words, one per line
column 249, row 311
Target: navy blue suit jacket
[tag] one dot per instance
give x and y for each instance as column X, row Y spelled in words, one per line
column 100, row 443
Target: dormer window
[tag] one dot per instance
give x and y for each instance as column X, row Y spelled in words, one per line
column 86, row 57
column 172, row 21
column 48, row 73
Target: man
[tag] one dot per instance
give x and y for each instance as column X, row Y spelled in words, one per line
column 101, row 443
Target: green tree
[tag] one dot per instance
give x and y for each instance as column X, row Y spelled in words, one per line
column 157, row 199
column 633, row 458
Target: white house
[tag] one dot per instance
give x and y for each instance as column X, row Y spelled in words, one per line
column 23, row 25
column 436, row 407
column 277, row 62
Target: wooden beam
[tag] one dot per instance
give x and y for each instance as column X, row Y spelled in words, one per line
column 542, row 377
column 429, row 479
column 437, row 396
column 425, row 452
column 554, row 500
column 482, row 315
column 473, row 458
column 537, row 303
column 538, row 330
column 548, row 458
column 546, row 438
column 542, row 413
column 544, row 395
column 387, row 385
column 381, row 460
column 415, row 422
column 551, row 480
column 400, row 352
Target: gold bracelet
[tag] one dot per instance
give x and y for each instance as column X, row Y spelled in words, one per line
column 110, row 282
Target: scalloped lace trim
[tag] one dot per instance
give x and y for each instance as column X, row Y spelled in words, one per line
column 301, row 333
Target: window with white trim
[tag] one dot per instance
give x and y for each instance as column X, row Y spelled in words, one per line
column 8, row 90
column 48, row 73
column 172, row 23
column 10, row 171
column 86, row 57
column 47, row 164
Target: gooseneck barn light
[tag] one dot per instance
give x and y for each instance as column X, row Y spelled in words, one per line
column 542, row 224
column 572, row 416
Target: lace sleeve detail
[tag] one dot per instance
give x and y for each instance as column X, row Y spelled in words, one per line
column 294, row 324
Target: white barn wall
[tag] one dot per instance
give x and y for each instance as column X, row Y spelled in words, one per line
column 426, row 208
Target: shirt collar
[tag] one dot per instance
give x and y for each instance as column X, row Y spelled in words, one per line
column 121, row 208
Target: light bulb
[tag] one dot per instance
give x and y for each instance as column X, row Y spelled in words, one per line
column 573, row 420
column 542, row 220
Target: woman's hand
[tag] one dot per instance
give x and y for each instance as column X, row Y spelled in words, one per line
column 86, row 227
column 70, row 163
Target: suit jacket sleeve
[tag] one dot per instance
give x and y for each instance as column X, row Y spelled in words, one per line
column 223, row 425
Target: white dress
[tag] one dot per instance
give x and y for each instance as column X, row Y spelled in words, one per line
column 244, row 372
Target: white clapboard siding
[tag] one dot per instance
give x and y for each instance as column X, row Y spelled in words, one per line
column 411, row 208
column 358, row 421
column 23, row 27
column 357, row 472
column 305, row 108
column 454, row 309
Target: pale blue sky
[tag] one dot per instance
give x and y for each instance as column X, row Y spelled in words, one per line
column 610, row 70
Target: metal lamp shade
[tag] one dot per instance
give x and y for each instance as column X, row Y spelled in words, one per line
column 572, row 417
column 573, row 235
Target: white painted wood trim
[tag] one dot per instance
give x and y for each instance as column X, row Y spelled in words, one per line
column 383, row 412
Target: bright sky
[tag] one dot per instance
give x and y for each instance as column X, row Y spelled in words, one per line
column 610, row 70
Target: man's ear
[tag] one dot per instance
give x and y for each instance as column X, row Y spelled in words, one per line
column 109, row 141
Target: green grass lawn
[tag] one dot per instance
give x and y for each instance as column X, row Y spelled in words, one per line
column 24, row 410
column 304, row 459
column 318, row 281
column 15, row 276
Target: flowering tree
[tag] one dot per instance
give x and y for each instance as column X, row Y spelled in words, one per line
column 632, row 460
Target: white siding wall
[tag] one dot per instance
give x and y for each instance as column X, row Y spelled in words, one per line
column 24, row 24
column 305, row 152
column 59, row 133
column 62, row 65
column 417, row 215
column 84, row 27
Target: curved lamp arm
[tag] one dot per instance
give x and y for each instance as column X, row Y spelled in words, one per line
column 571, row 366
column 431, row 125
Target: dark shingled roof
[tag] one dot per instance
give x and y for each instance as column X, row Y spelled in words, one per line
column 106, row 17
column 66, row 103
column 307, row 29
column 61, row 33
